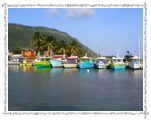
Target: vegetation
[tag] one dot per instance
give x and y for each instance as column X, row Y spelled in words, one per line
column 128, row 56
column 20, row 36
column 45, row 43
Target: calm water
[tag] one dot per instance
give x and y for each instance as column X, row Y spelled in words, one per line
column 59, row 89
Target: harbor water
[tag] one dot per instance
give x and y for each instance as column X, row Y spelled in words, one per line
column 59, row 89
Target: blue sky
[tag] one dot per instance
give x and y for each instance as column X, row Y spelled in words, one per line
column 105, row 28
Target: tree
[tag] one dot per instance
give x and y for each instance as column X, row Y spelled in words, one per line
column 62, row 46
column 47, row 42
column 36, row 40
column 73, row 47
column 128, row 56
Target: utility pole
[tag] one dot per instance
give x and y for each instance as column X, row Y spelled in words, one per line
column 139, row 49
column 97, row 52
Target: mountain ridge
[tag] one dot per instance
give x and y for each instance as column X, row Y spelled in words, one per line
column 20, row 35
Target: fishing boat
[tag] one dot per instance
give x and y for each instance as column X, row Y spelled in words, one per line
column 43, row 63
column 117, row 62
column 86, row 62
column 101, row 61
column 57, row 61
column 135, row 61
column 71, row 62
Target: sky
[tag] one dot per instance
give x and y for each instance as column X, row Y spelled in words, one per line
column 106, row 28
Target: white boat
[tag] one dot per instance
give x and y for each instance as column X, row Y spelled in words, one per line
column 101, row 61
column 135, row 61
column 15, row 60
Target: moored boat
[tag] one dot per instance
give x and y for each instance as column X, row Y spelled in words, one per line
column 101, row 61
column 135, row 61
column 43, row 63
column 57, row 60
column 86, row 62
column 117, row 62
column 71, row 62
column 15, row 60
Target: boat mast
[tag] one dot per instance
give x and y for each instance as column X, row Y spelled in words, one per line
column 102, row 53
column 139, row 49
column 117, row 53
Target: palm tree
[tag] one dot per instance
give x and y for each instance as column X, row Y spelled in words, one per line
column 36, row 40
column 46, row 43
column 62, row 46
column 74, row 47
column 82, row 52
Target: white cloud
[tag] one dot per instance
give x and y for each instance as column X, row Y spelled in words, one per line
column 80, row 12
column 48, row 16
column 54, row 11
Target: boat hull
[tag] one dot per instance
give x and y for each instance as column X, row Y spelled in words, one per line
column 42, row 63
column 118, row 66
column 98, row 65
column 70, row 65
column 86, row 65
column 56, row 63
column 135, row 66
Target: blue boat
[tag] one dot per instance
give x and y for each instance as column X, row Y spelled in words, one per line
column 118, row 66
column 86, row 62
column 117, row 63
column 56, row 63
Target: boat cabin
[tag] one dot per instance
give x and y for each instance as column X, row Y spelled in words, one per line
column 86, row 60
column 71, row 60
column 117, row 60
column 135, row 59
column 101, row 60
column 59, row 57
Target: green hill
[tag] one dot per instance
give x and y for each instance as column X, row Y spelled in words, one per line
column 20, row 36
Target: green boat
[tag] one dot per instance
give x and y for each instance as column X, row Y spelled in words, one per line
column 43, row 63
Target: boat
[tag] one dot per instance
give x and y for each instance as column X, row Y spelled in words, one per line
column 43, row 63
column 86, row 62
column 117, row 62
column 135, row 61
column 101, row 61
column 37, row 60
column 25, row 63
column 57, row 60
column 15, row 60
column 71, row 62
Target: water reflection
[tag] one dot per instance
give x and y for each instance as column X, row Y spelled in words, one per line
column 27, row 68
column 13, row 68
column 60, row 89
column 85, row 70
column 117, row 71
column 56, row 70
column 44, row 69
column 70, row 70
